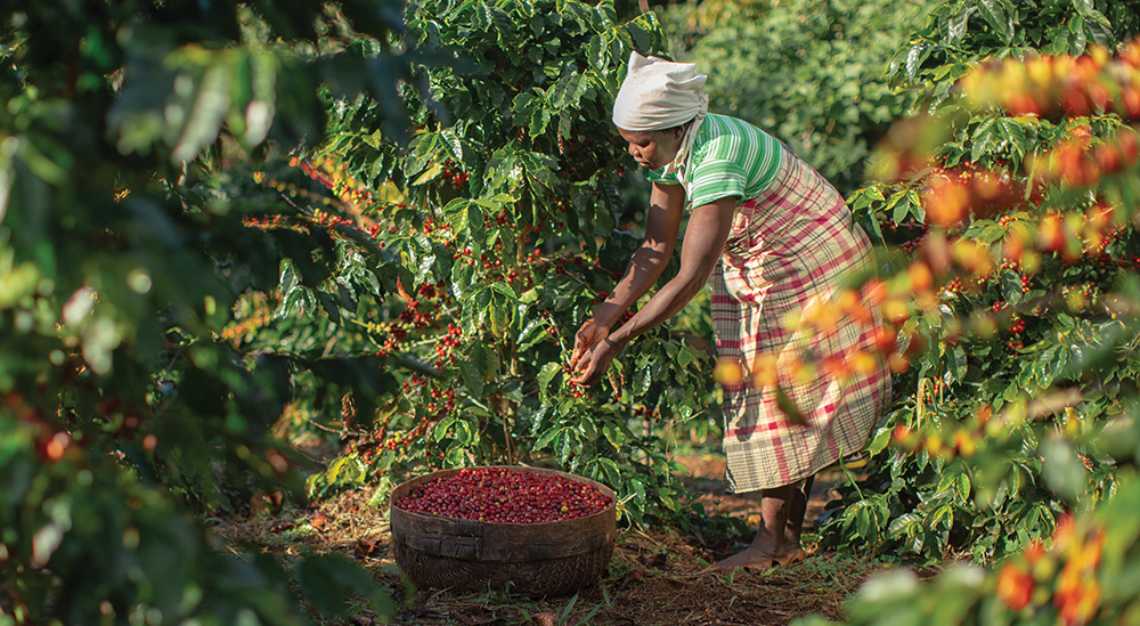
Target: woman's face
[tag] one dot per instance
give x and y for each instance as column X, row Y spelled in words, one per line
column 652, row 149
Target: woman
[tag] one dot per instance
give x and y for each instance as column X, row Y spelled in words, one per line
column 774, row 236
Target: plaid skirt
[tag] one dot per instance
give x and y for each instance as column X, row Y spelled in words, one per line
column 789, row 247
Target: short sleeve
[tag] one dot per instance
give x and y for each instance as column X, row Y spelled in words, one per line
column 661, row 177
column 719, row 175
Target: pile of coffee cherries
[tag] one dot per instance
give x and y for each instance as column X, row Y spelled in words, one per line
column 505, row 495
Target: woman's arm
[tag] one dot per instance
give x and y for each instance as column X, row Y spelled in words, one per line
column 705, row 237
column 666, row 204
column 704, row 241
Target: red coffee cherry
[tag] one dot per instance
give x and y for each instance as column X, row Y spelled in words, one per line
column 504, row 495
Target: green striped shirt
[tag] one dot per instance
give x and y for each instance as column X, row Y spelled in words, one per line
column 730, row 157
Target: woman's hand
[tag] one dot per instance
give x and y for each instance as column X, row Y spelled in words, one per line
column 589, row 335
column 591, row 368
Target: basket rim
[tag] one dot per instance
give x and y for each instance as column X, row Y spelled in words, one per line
column 611, row 508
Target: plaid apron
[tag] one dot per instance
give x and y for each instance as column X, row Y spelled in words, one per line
column 788, row 247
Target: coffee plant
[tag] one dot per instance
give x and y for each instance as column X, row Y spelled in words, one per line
column 503, row 224
column 1010, row 215
column 1084, row 573
column 132, row 138
column 1019, row 206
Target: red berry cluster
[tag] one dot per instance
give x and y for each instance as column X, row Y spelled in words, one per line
column 414, row 381
column 445, row 349
column 1076, row 163
column 272, row 222
column 330, row 220
column 235, row 331
column 1017, row 327
column 489, row 263
column 504, row 495
column 457, row 177
column 334, row 175
column 464, row 256
column 396, row 332
column 1051, row 86
column 312, row 172
column 442, row 401
column 413, row 315
column 430, row 227
column 402, row 440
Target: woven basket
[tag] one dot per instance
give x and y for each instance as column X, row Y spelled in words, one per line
column 549, row 559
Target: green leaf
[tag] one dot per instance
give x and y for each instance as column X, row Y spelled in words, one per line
column 546, row 375
column 879, row 441
column 614, row 434
column 995, row 13
column 486, row 361
column 957, row 26
column 612, row 471
column 532, row 334
column 957, row 365
column 1011, row 287
column 643, row 379
column 982, row 138
column 944, row 513
column 441, row 428
column 901, row 209
column 964, row 486
column 1078, row 39
column 914, row 59
column 685, row 356
column 431, row 173
column 505, row 290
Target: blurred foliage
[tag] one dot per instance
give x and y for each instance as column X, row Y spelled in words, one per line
column 955, row 35
column 1086, row 575
column 1020, row 443
column 130, row 135
column 686, row 21
column 811, row 73
column 1043, row 316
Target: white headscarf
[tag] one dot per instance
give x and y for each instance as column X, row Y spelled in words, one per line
column 659, row 94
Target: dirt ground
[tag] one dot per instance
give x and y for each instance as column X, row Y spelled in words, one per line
column 653, row 578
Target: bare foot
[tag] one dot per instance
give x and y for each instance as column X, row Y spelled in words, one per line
column 767, row 549
column 756, row 557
